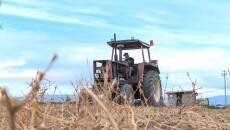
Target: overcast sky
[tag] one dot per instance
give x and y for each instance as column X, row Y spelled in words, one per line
column 190, row 36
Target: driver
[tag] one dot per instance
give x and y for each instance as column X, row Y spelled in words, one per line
column 130, row 60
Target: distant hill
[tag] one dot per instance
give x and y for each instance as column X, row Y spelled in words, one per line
column 219, row 99
column 54, row 98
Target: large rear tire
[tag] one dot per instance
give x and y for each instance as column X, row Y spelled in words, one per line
column 152, row 89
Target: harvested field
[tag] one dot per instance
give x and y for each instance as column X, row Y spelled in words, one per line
column 93, row 116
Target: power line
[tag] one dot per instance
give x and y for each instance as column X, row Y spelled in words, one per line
column 215, row 90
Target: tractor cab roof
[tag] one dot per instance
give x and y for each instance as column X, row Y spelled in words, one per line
column 128, row 44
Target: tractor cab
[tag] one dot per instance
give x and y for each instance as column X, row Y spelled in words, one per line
column 131, row 44
column 139, row 48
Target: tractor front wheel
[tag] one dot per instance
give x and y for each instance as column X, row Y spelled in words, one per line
column 127, row 94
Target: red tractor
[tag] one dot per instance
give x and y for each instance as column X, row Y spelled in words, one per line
column 144, row 82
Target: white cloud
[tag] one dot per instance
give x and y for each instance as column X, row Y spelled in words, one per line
column 11, row 63
column 82, row 53
column 11, row 37
column 180, row 36
column 147, row 17
column 32, row 13
column 156, row 15
column 58, row 16
column 190, row 60
column 65, row 7
column 18, row 74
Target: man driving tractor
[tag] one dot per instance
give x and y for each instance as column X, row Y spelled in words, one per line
column 130, row 61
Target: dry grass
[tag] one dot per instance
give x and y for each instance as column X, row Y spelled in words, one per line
column 97, row 114
column 109, row 115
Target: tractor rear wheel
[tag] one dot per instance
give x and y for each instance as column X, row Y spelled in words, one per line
column 151, row 87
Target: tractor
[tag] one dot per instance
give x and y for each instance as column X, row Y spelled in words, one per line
column 143, row 85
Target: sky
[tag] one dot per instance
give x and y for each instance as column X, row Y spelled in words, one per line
column 189, row 36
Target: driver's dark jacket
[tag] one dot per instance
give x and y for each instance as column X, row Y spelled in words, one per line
column 130, row 60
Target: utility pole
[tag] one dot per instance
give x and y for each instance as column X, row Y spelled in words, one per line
column 224, row 74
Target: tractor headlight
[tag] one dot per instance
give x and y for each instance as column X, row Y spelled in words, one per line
column 96, row 76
